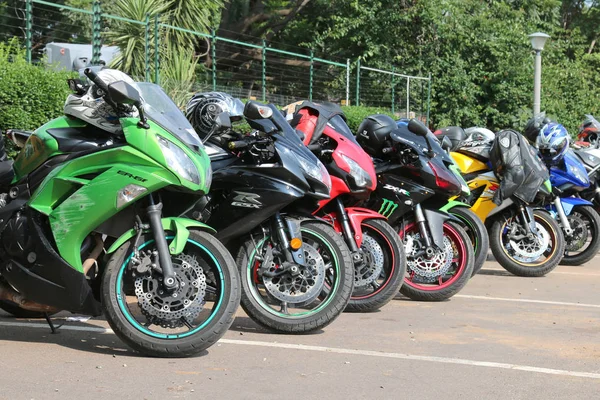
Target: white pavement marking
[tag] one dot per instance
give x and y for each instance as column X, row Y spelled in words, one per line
column 553, row 272
column 556, row 303
column 370, row 353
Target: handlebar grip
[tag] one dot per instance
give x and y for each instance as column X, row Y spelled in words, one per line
column 387, row 150
column 314, row 147
column 96, row 79
column 237, row 144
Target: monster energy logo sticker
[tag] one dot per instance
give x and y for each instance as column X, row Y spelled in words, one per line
column 387, row 208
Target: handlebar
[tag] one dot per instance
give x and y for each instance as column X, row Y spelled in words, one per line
column 314, row 147
column 237, row 144
column 96, row 79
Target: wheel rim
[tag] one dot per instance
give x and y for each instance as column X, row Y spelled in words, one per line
column 583, row 233
column 274, row 305
column 205, row 316
column 548, row 253
column 386, row 274
column 457, row 266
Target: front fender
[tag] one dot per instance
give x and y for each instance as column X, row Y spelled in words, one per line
column 356, row 215
column 568, row 203
column 452, row 204
column 179, row 226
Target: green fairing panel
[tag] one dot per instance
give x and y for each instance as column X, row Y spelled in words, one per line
column 41, row 146
column 76, row 205
column 452, row 204
column 178, row 226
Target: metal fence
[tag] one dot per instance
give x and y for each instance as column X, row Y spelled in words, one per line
column 248, row 69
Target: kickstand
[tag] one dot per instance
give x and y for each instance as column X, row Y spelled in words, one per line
column 52, row 327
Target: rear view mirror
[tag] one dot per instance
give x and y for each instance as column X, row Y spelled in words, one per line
column 446, row 143
column 222, row 121
column 255, row 110
column 417, row 127
column 123, row 93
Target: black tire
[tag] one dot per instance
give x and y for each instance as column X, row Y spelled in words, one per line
column 19, row 312
column 535, row 269
column 477, row 233
column 592, row 218
column 464, row 274
column 215, row 327
column 256, row 307
column 384, row 235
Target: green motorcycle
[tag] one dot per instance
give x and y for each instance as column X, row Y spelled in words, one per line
column 75, row 192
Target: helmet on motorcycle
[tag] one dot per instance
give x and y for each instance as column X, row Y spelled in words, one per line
column 91, row 107
column 553, row 142
column 476, row 134
column 374, row 131
column 203, row 108
column 534, row 125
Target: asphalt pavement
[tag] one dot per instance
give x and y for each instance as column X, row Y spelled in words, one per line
column 502, row 337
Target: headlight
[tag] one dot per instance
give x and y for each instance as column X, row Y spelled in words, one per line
column 179, row 161
column 361, row 177
column 316, row 171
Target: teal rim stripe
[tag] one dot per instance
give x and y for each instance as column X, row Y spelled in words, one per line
column 145, row 330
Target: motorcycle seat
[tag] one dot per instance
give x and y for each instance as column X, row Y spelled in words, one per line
column 73, row 139
column 456, row 134
column 6, row 173
column 591, row 158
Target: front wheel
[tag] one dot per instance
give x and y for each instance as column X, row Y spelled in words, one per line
column 584, row 242
column 477, row 233
column 296, row 298
column 179, row 323
column 523, row 254
column 443, row 273
column 379, row 275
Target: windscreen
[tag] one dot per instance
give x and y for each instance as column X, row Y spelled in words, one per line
column 160, row 109
column 341, row 127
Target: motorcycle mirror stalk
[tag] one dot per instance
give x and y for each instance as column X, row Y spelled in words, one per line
column 222, row 121
column 419, row 129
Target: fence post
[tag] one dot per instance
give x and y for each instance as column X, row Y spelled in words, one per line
column 214, row 60
column 156, row 52
column 347, row 81
column 310, row 88
column 264, row 70
column 407, row 97
column 428, row 97
column 96, row 31
column 358, row 82
column 147, row 50
column 393, row 83
column 28, row 28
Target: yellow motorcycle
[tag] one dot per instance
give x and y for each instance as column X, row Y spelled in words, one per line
column 524, row 241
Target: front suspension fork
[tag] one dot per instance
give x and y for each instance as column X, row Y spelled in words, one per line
column 345, row 224
column 154, row 212
column 528, row 219
column 564, row 220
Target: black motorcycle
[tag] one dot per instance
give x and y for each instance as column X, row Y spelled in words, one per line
column 414, row 183
column 296, row 271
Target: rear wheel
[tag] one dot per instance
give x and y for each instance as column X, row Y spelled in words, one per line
column 584, row 242
column 176, row 323
column 378, row 278
column 527, row 256
column 444, row 273
column 477, row 233
column 302, row 300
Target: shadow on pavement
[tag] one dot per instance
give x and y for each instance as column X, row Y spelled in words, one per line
column 246, row 324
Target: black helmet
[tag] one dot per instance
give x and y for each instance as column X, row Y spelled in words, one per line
column 374, row 131
column 534, row 125
column 203, row 108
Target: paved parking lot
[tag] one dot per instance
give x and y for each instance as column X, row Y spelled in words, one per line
column 503, row 337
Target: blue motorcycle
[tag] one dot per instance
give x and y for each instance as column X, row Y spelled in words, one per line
column 577, row 217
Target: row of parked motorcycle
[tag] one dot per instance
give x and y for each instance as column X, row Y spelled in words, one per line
column 164, row 221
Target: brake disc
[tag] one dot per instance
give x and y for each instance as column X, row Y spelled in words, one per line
column 367, row 272
column 529, row 250
column 303, row 287
column 429, row 269
column 170, row 309
column 578, row 238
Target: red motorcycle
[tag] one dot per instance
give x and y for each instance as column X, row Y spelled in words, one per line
column 377, row 251
column 589, row 132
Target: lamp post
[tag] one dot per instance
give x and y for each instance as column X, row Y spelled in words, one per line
column 538, row 40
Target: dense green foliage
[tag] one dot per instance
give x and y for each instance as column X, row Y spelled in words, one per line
column 30, row 95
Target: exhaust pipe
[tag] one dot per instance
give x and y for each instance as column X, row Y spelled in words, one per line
column 10, row 294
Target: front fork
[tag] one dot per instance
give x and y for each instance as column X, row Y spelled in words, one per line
column 344, row 221
column 564, row 220
column 164, row 255
column 422, row 224
column 528, row 219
